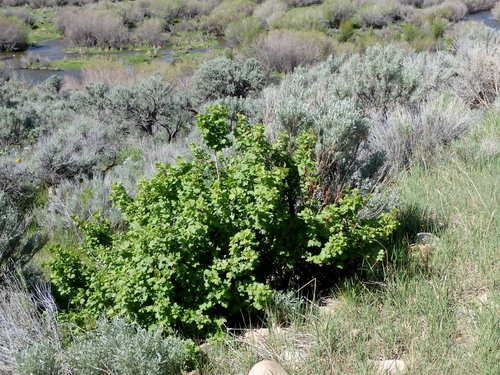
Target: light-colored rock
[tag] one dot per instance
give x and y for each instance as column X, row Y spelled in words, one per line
column 391, row 366
column 267, row 368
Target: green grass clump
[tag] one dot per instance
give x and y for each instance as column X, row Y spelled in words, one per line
column 192, row 40
column 68, row 63
column 44, row 27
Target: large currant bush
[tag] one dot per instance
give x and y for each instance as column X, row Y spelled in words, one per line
column 212, row 237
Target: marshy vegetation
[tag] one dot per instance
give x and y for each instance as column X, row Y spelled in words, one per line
column 219, row 182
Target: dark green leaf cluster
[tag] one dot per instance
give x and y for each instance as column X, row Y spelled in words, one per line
column 207, row 240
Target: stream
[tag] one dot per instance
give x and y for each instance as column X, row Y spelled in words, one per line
column 485, row 17
column 55, row 49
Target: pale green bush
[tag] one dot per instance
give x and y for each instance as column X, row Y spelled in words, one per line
column 408, row 135
column 83, row 147
column 27, row 322
column 221, row 77
column 151, row 106
column 385, row 76
column 308, row 100
column 117, row 347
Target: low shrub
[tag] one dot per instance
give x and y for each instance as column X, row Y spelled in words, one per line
column 83, row 147
column 283, row 50
column 382, row 77
column 22, row 14
column 310, row 18
column 378, row 14
column 208, row 239
column 336, row 11
column 17, row 247
column 113, row 347
column 479, row 5
column 93, row 29
column 452, row 10
column 226, row 12
column 117, row 347
column 417, row 135
column 150, row 106
column 307, row 100
column 26, row 321
column 150, row 33
column 71, row 201
column 301, row 3
column 13, row 34
column 221, row 77
column 243, row 32
column 496, row 12
column 270, row 10
column 478, row 67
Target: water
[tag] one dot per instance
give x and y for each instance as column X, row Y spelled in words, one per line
column 55, row 49
column 485, row 17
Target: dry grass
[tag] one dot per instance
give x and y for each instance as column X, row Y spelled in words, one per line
column 25, row 319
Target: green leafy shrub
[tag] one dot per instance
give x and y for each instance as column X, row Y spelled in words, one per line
column 208, row 239
column 222, row 77
column 347, row 29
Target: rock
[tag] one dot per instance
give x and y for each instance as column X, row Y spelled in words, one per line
column 391, row 366
column 267, row 368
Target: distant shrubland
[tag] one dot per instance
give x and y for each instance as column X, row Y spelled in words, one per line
column 328, row 172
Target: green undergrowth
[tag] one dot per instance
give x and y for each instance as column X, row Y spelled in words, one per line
column 44, row 27
column 434, row 306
